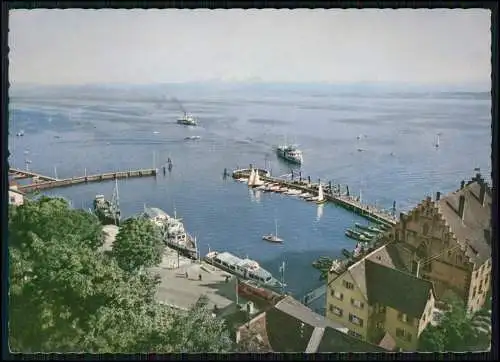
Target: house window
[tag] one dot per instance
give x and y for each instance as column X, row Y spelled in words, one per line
column 404, row 318
column 474, row 292
column 354, row 334
column 336, row 310
column 355, row 320
column 12, row 199
column 459, row 259
column 357, row 303
column 347, row 285
column 403, row 334
column 336, row 294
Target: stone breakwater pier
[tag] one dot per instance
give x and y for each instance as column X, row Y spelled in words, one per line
column 41, row 182
column 331, row 194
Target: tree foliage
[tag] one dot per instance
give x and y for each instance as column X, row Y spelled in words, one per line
column 137, row 245
column 67, row 296
column 454, row 333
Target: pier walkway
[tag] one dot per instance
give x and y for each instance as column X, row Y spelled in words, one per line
column 17, row 174
column 51, row 183
column 348, row 202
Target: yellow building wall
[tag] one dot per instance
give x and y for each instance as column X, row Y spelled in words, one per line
column 479, row 286
column 427, row 315
column 392, row 323
column 346, row 305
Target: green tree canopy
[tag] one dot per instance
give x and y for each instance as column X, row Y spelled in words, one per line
column 66, row 296
column 454, row 333
column 138, row 244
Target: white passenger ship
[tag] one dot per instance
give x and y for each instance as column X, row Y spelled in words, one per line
column 245, row 268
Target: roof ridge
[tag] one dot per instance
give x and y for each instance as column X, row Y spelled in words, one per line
column 403, row 272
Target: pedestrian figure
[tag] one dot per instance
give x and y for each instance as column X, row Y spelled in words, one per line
column 199, row 277
column 186, row 275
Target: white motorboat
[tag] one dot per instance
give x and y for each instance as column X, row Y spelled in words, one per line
column 293, row 192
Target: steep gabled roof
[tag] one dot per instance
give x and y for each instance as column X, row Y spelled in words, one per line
column 304, row 314
column 396, row 289
column 336, row 341
column 292, row 327
column 474, row 230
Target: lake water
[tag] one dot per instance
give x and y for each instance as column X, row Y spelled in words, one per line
column 98, row 129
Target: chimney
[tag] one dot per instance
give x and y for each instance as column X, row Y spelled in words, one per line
column 461, row 206
column 462, row 184
column 482, row 193
column 438, row 196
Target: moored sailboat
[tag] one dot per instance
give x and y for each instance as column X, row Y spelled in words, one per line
column 273, row 238
column 321, row 197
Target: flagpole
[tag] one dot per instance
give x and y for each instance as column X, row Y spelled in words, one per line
column 237, row 298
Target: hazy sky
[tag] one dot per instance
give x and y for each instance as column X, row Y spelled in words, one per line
column 144, row 46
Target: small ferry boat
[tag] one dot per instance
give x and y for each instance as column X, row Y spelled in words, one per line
column 273, row 238
column 20, row 133
column 356, row 235
column 244, row 268
column 108, row 211
column 187, row 120
column 173, row 232
column 369, row 228
column 290, row 153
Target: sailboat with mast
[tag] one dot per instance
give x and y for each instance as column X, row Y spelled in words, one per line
column 320, row 199
column 108, row 211
column 321, row 196
column 436, row 141
column 273, row 238
column 254, row 179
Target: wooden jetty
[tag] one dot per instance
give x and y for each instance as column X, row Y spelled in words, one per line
column 348, row 202
column 51, row 183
